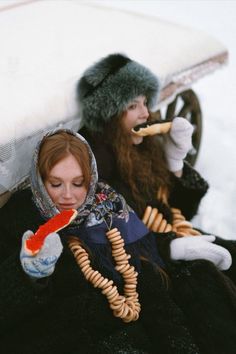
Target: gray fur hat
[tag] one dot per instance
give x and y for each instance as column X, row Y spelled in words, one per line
column 107, row 87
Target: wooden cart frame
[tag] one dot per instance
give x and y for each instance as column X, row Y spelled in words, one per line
column 38, row 81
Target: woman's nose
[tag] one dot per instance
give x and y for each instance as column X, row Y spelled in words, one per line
column 67, row 193
column 144, row 112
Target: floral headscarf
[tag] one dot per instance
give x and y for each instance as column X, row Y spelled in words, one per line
column 102, row 209
column 101, row 202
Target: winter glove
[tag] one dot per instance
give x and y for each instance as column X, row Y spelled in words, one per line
column 43, row 263
column 178, row 143
column 190, row 248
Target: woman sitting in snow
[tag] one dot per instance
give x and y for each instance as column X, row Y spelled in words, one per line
column 115, row 96
column 98, row 286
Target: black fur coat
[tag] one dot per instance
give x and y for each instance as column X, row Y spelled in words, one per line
column 204, row 294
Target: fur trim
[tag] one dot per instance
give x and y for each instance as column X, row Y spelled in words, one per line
column 107, row 87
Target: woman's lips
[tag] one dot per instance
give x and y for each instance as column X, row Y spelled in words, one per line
column 66, row 206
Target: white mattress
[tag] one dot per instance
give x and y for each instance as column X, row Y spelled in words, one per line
column 45, row 47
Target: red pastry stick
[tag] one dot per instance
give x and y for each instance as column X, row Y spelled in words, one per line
column 34, row 243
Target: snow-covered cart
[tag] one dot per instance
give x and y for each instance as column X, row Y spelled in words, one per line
column 46, row 45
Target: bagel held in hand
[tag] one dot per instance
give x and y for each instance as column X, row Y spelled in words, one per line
column 152, row 128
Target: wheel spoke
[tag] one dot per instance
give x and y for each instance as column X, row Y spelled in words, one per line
column 185, row 110
column 170, row 113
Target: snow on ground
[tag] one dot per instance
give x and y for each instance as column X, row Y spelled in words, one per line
column 217, row 94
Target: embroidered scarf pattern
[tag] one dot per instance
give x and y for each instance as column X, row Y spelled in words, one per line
column 102, row 203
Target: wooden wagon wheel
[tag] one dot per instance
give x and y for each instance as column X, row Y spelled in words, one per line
column 186, row 104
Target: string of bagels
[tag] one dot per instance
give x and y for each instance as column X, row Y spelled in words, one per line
column 126, row 306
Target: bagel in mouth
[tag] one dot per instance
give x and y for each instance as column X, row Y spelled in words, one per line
column 152, row 128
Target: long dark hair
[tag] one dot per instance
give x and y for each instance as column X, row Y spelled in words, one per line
column 143, row 167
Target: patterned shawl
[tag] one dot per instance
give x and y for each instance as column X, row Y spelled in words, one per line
column 103, row 209
column 102, row 204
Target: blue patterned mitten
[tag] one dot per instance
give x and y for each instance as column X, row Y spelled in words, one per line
column 43, row 263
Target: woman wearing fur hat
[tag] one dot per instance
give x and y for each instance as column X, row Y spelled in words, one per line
column 96, row 286
column 115, row 95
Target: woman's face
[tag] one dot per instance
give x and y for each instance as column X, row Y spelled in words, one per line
column 136, row 113
column 65, row 184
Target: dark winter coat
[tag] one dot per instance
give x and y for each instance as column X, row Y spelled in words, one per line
column 198, row 287
column 65, row 314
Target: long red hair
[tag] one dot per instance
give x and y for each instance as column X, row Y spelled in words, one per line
column 56, row 147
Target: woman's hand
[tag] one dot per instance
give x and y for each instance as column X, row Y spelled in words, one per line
column 190, row 248
column 177, row 143
column 43, row 263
